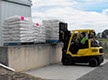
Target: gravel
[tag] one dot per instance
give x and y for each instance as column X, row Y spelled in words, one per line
column 9, row 75
column 101, row 73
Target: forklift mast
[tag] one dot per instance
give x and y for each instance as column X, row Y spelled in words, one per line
column 64, row 35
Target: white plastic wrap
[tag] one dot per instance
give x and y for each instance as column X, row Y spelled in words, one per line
column 52, row 29
column 18, row 29
column 39, row 32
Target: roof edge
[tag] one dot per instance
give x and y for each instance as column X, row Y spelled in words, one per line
column 19, row 2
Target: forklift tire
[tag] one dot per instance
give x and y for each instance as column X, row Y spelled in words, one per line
column 93, row 62
column 101, row 59
column 67, row 60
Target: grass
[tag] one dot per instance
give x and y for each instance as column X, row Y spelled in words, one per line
column 103, row 42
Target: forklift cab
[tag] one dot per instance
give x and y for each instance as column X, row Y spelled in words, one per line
column 76, row 44
column 83, row 53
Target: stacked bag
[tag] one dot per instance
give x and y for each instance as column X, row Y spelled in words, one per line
column 42, row 33
column 36, row 33
column 18, row 29
column 39, row 33
column 52, row 29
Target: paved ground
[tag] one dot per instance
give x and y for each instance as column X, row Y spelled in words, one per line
column 58, row 71
column 100, row 73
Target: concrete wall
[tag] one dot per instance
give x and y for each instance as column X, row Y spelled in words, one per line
column 23, row 58
column 8, row 9
column 4, row 55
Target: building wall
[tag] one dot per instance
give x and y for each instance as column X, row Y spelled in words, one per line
column 0, row 23
column 8, row 9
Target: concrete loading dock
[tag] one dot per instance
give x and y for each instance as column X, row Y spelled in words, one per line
column 27, row 57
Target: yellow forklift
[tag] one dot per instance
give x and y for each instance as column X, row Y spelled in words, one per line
column 75, row 52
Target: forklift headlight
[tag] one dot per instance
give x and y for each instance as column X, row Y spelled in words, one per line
column 94, row 50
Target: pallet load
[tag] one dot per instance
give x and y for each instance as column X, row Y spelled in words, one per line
column 39, row 33
column 36, row 33
column 52, row 30
column 18, row 29
column 42, row 33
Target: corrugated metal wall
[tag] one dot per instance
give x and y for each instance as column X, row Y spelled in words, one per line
column 8, row 9
column 0, row 24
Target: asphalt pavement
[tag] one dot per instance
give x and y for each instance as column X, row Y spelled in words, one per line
column 101, row 73
column 60, row 72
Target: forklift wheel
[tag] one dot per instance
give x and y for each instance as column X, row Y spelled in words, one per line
column 93, row 62
column 101, row 59
column 67, row 60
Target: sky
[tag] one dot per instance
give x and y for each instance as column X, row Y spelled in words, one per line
column 79, row 14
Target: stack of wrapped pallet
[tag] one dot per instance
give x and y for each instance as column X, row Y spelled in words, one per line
column 42, row 33
column 18, row 29
column 39, row 33
column 36, row 33
column 52, row 29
